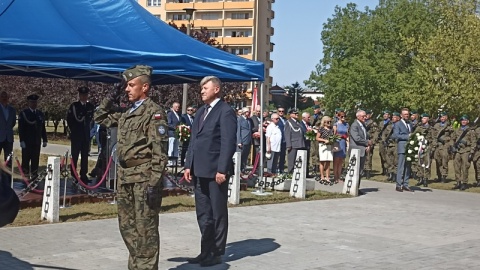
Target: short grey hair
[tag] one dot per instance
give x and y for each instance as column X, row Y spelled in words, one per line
column 216, row 81
column 359, row 112
column 305, row 114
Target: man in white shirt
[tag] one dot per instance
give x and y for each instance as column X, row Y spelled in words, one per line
column 274, row 141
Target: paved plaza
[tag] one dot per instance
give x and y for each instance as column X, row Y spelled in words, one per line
column 383, row 229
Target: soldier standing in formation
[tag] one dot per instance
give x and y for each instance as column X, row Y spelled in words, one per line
column 372, row 130
column 422, row 168
column 464, row 142
column 476, row 157
column 294, row 138
column 390, row 147
column 442, row 133
column 79, row 120
column 316, row 118
column 380, row 139
column 142, row 145
column 31, row 131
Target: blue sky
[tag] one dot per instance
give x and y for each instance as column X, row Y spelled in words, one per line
column 298, row 25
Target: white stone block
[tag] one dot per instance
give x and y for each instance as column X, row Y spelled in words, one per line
column 353, row 174
column 234, row 181
column 299, row 176
column 51, row 194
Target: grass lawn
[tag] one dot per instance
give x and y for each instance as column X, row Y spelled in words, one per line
column 377, row 167
column 171, row 204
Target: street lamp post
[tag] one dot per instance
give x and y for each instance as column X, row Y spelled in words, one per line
column 189, row 12
column 295, row 97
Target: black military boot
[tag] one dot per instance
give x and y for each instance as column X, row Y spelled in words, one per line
column 444, row 179
column 419, row 182
column 367, row 174
column 463, row 186
column 478, row 183
column 425, row 182
column 457, row 185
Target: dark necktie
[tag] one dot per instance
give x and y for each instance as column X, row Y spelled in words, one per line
column 204, row 115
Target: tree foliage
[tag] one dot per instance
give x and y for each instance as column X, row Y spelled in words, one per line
column 415, row 53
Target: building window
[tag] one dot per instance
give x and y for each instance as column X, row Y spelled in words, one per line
column 240, row 16
column 154, row 3
column 179, row 17
column 240, row 0
column 240, row 51
column 213, row 34
column 183, row 1
column 242, row 33
column 205, row 1
column 209, row 16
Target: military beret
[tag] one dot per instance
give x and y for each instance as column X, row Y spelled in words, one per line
column 338, row 110
column 396, row 114
column 316, row 107
column 464, row 117
column 83, row 90
column 368, row 111
column 386, row 111
column 136, row 71
column 443, row 113
column 413, row 112
column 293, row 110
column 32, row 97
column 425, row 115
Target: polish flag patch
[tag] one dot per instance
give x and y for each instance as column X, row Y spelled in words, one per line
column 157, row 116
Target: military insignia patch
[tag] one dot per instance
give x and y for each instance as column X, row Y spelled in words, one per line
column 161, row 130
column 157, row 116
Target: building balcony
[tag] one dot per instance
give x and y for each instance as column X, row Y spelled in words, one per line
column 208, row 23
column 209, row 6
column 271, row 46
column 237, row 41
column 272, row 31
column 238, row 23
column 270, row 64
column 177, row 6
column 239, row 5
column 272, row 14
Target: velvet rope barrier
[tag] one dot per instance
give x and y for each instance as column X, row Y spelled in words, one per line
column 80, row 180
column 25, row 180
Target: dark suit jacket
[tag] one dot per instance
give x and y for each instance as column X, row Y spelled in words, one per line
column 212, row 147
column 244, row 131
column 185, row 120
column 6, row 126
column 256, row 125
column 401, row 134
column 31, row 127
column 358, row 140
column 294, row 139
column 172, row 122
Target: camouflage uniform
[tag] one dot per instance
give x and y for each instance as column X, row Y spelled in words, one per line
column 314, row 158
column 424, row 171
column 476, row 157
column 142, row 146
column 390, row 148
column 440, row 148
column 372, row 131
column 464, row 147
column 381, row 148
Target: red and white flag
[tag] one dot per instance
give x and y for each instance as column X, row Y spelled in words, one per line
column 254, row 99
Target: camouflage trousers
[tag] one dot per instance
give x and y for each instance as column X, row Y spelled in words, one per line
column 423, row 168
column 391, row 159
column 382, row 153
column 441, row 161
column 368, row 160
column 314, row 158
column 139, row 227
column 461, row 167
column 476, row 165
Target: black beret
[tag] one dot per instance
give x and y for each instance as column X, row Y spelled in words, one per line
column 33, row 97
column 83, row 90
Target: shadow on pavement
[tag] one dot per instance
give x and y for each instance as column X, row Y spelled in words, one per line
column 235, row 251
column 7, row 261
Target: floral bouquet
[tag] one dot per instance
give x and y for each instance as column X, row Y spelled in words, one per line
column 333, row 140
column 416, row 147
column 311, row 135
column 183, row 133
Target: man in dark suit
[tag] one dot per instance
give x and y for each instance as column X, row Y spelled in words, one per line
column 244, row 136
column 401, row 133
column 209, row 164
column 31, row 130
column 305, row 123
column 256, row 134
column 79, row 120
column 187, row 119
column 8, row 119
column 173, row 119
column 294, row 138
column 359, row 139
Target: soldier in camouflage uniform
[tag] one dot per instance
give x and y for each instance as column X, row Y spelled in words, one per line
column 142, row 146
column 316, row 118
column 441, row 132
column 476, row 157
column 423, row 166
column 390, row 147
column 372, row 131
column 415, row 122
column 464, row 142
column 379, row 139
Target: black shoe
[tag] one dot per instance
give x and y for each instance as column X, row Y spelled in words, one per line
column 425, row 182
column 399, row 189
column 407, row 189
column 202, row 256
column 420, row 182
column 444, row 179
column 367, row 175
column 211, row 261
column 478, row 184
column 463, row 186
column 85, row 179
column 457, row 186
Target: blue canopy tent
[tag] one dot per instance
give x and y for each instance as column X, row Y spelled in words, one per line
column 96, row 40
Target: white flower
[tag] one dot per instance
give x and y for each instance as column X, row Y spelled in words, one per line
column 425, row 142
column 421, row 137
column 416, row 156
column 417, row 134
column 410, row 151
column 409, row 159
column 412, row 142
column 416, row 148
column 423, row 165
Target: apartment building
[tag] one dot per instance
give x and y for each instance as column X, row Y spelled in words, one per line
column 243, row 25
